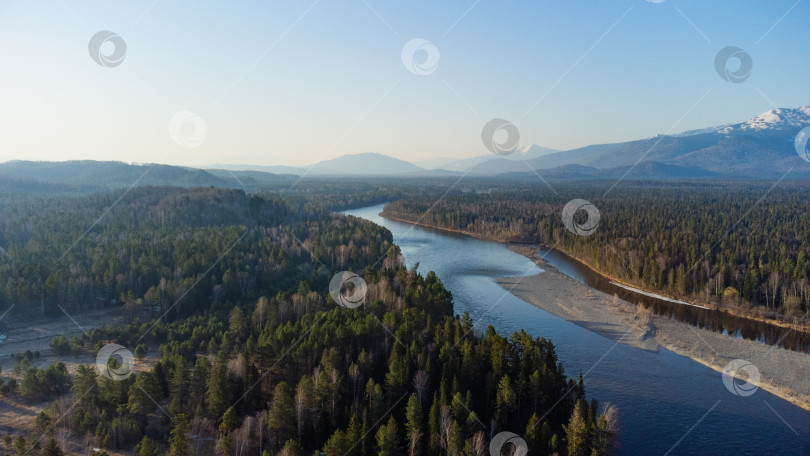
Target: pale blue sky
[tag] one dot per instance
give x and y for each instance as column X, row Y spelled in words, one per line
column 296, row 82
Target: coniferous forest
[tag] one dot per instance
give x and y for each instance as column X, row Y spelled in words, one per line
column 711, row 242
column 239, row 348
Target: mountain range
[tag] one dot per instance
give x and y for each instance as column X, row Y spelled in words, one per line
column 762, row 147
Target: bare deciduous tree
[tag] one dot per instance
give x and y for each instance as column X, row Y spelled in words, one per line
column 354, row 374
column 63, row 436
column 420, row 382
column 445, row 426
column 479, row 444
column 261, row 312
column 414, row 442
column 772, row 285
column 203, row 434
column 242, row 437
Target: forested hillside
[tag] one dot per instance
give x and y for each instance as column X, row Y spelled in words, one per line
column 108, row 174
column 230, row 290
column 715, row 242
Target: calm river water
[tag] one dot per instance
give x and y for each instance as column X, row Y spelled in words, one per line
column 668, row 404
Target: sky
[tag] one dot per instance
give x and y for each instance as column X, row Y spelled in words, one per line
column 291, row 83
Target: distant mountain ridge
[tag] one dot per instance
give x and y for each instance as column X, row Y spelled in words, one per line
column 109, row 174
column 87, row 176
column 762, row 147
column 366, row 163
column 644, row 170
column 525, row 153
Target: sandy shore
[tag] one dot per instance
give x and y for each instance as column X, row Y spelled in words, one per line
column 784, row 373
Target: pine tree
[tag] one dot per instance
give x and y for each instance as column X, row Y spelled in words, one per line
column 455, row 441
column 250, row 385
column 143, row 396
column 505, row 398
column 376, row 399
column 364, row 431
column 413, row 414
column 413, row 425
column 433, row 424
column 52, row 449
column 281, row 419
column 20, row 444
column 291, row 448
column 218, row 389
column 178, row 440
column 180, row 379
column 197, row 385
column 85, row 386
column 576, row 432
column 337, row 445
column 354, row 433
column 554, row 444
column 237, row 323
column 396, row 377
column 230, row 421
column 147, row 447
column 388, row 439
column 545, row 439
column 532, row 436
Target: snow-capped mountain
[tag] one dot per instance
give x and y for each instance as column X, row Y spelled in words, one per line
column 775, row 119
column 778, row 119
column 760, row 147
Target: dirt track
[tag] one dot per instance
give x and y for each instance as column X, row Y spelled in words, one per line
column 22, row 336
column 17, row 418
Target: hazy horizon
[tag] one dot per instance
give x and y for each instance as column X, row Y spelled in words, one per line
column 297, row 84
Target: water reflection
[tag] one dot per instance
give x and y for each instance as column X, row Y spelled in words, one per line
column 712, row 320
column 661, row 396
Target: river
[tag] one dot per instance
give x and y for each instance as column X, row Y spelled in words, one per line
column 668, row 404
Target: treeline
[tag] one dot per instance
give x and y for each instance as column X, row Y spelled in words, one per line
column 729, row 244
column 254, row 357
column 156, row 243
column 399, row 376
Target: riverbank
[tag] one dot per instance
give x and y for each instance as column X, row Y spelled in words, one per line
column 447, row 230
column 747, row 314
column 731, row 310
column 784, row 373
column 661, row 396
